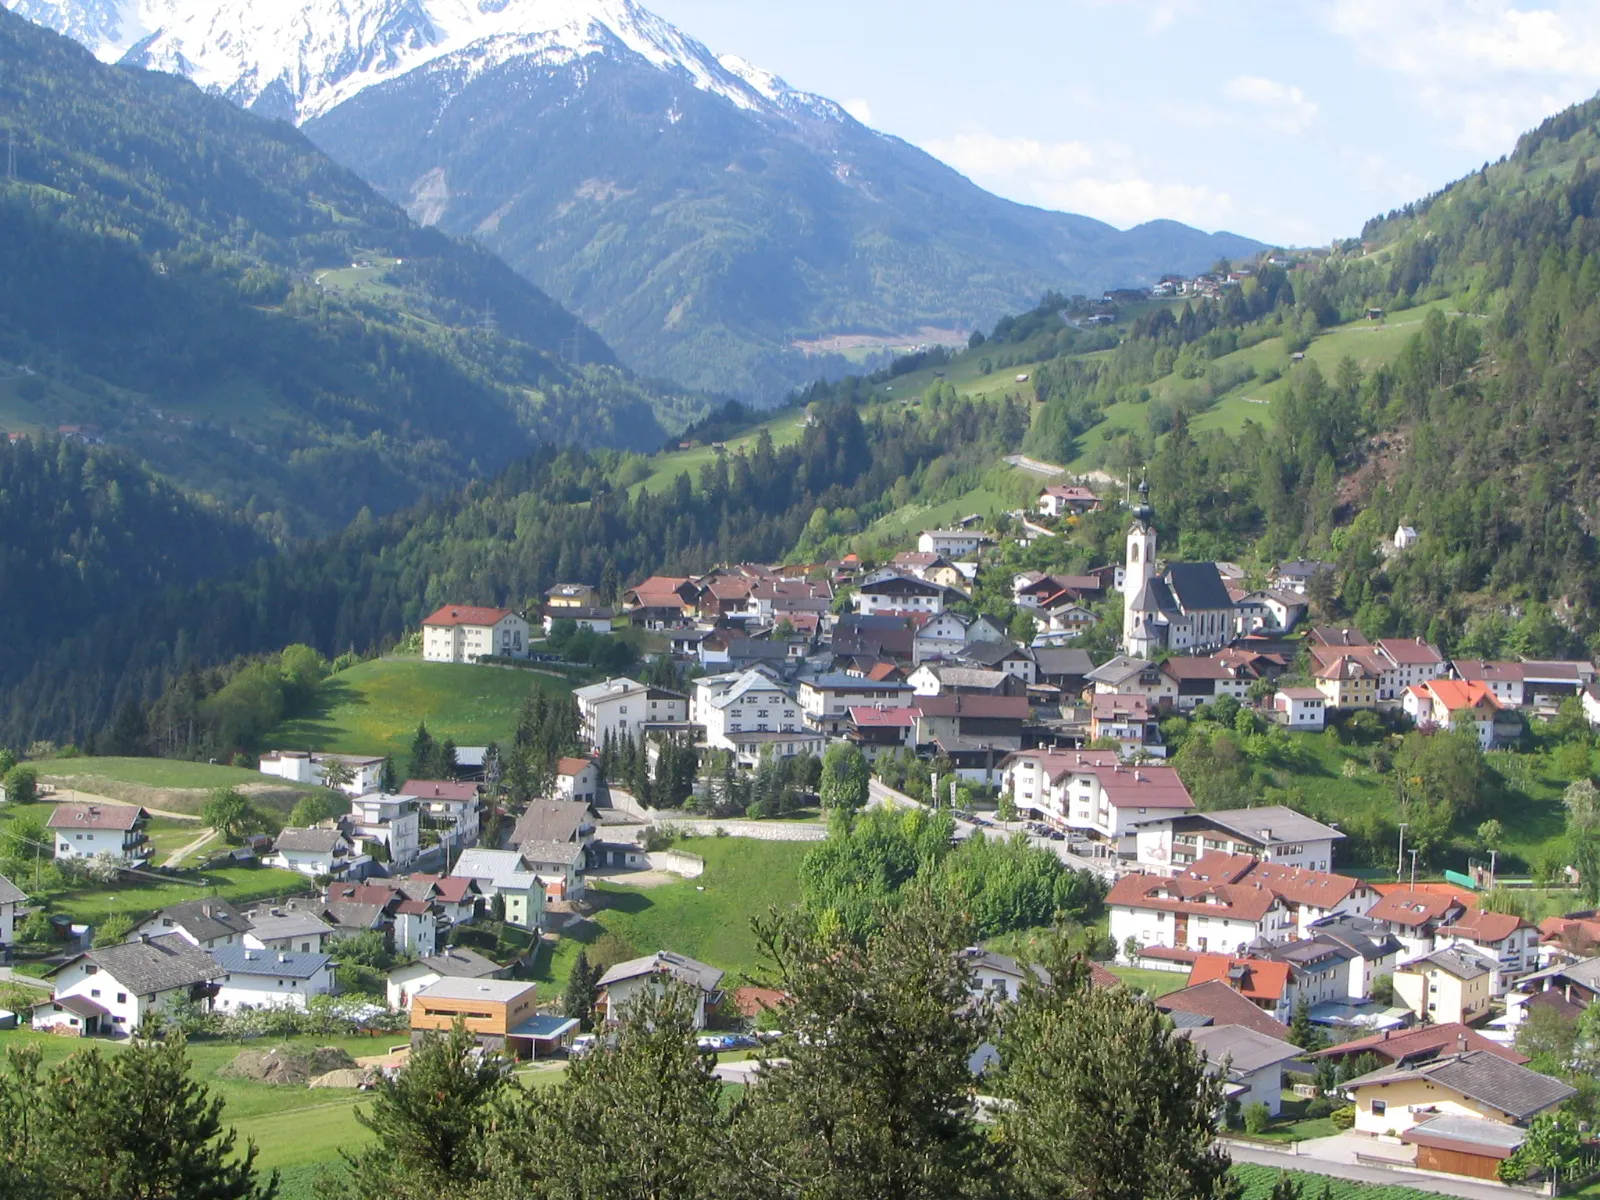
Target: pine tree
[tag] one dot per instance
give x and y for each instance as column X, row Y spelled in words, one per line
column 582, row 991
column 1301, row 1031
column 422, row 752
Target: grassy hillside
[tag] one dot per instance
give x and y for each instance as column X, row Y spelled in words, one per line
column 168, row 785
column 374, row 708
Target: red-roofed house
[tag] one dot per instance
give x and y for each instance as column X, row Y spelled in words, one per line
column 1191, row 915
column 1565, row 939
column 577, row 779
column 1408, row 661
column 661, row 602
column 1452, row 703
column 1416, row 916
column 462, row 633
column 1504, row 937
column 1421, row 1045
column 1092, row 792
column 1309, row 896
column 875, row 728
column 1067, row 499
column 88, row 830
column 447, row 800
column 1130, row 720
column 1223, row 1005
column 1268, row 985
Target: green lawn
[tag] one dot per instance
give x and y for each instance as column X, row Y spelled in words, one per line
column 1152, row 983
column 238, row 884
column 374, row 708
column 706, row 918
column 167, row 784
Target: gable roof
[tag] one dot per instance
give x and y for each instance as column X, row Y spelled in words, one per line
column 679, row 966
column 1481, row 1076
column 269, row 926
column 151, row 965
column 1063, row 661
column 1245, row 1050
column 1480, row 925
column 458, row 962
column 10, row 893
column 959, row 704
column 308, row 841
column 1198, row 586
column 457, row 614
column 95, row 816
column 1279, row 821
column 1457, row 694
column 283, row 964
column 439, row 789
column 1457, row 960
column 551, row 821
column 1413, row 908
column 1426, row 1042
column 990, row 652
column 1411, row 652
column 1224, row 1006
column 1188, row 896
column 1252, row 978
column 205, row 919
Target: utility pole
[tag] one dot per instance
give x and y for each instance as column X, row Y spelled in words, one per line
column 1494, row 858
column 1413, row 870
column 1400, row 859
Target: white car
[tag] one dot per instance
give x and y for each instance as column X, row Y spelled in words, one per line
column 582, row 1044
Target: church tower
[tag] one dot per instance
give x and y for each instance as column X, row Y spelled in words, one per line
column 1139, row 570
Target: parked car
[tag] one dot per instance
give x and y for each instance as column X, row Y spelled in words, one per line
column 582, row 1044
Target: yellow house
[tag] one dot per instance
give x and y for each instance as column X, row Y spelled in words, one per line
column 572, row 595
column 1350, row 679
column 1473, row 1083
column 1453, row 984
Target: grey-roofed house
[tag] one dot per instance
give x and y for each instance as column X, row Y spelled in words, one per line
column 1475, row 1083
column 626, row 980
column 555, row 821
column 206, row 923
column 457, row 962
column 131, row 980
column 1065, row 667
column 1273, row 832
column 255, row 978
column 276, row 928
column 315, row 850
column 1253, row 1061
column 503, row 873
column 1001, row 656
column 1453, row 983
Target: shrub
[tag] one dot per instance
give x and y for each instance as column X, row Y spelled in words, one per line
column 1344, row 1117
column 1256, row 1117
column 1322, row 1106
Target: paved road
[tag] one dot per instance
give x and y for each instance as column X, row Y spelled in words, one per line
column 1423, row 1181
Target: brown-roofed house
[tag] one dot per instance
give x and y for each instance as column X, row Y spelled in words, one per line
column 1222, row 1005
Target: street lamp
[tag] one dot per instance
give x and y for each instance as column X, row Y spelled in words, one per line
column 1413, row 870
column 1400, row 858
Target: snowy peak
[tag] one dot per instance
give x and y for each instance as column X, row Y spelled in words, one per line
column 299, row 60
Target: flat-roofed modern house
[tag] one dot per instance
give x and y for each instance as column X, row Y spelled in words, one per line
column 502, row 1014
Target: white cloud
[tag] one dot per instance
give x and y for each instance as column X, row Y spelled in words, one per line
column 859, row 109
column 1486, row 69
column 1101, row 181
column 1283, row 107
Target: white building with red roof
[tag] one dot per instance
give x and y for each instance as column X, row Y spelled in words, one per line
column 1064, row 499
column 89, row 830
column 578, row 779
column 1092, row 792
column 460, row 633
column 1504, row 937
column 1454, row 703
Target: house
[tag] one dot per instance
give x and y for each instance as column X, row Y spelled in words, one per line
column 994, row 722
column 621, row 709
column 1064, row 668
column 1504, row 938
column 1215, row 1003
column 567, row 821
column 128, row 982
column 1407, row 661
column 1186, row 610
column 457, row 962
column 454, row 900
column 935, row 568
column 449, row 806
column 1129, row 721
column 1420, row 1044
column 463, row 634
column 414, row 926
column 1134, row 676
column 1405, row 537
column 942, row 635
column 623, row 982
column 1414, row 917
column 578, row 779
column 362, row 773
column 953, row 543
column 1201, row 680
column 874, row 728
column 998, row 976
column 1374, row 950
column 593, row 619
column 1503, row 679
column 1567, row 987
column 1300, row 708
column 11, row 898
column 661, row 602
column 1062, row 500
column 728, row 706
column 1000, row 655
column 1092, row 792
column 892, row 592
column 826, row 701
column 1348, row 678
column 934, row 679
column 276, row 928
column 1172, row 842
column 560, row 865
column 1266, row 984
column 89, row 830
column 571, row 595
column 312, row 851
column 501, row 1014
column 270, row 978
column 1450, row 984
column 1472, row 1083
column 1296, row 576
column 1569, row 938
column 503, row 873
column 392, row 821
column 1250, row 1061
column 1271, row 610
column 1452, row 704
column 206, row 923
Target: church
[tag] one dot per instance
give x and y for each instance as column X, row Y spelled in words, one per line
column 1186, row 611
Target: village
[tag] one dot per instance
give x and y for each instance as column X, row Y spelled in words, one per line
column 1384, row 1011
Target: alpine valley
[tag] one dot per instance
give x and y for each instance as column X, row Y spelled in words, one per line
column 717, row 226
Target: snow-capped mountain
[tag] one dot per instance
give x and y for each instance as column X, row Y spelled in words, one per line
column 299, row 60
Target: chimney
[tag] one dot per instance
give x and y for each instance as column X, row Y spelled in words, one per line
column 282, row 957
column 1386, row 1033
column 1461, row 1042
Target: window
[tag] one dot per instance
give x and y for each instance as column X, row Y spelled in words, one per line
column 122, row 997
column 94, row 992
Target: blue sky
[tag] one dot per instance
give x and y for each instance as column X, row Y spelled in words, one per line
column 1288, row 120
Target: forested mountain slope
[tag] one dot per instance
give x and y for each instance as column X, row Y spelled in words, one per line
column 182, row 275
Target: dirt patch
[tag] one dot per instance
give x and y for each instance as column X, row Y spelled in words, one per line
column 635, row 878
column 290, row 1067
column 345, row 1077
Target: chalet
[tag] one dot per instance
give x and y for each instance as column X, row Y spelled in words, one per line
column 504, row 874
column 451, row 807
column 973, row 722
column 936, row 679
column 571, row 595
column 1507, row 940
column 1408, row 661
column 462, row 633
column 1062, row 500
column 661, row 602
column 625, row 981
column 1199, row 681
column 91, row 830
column 1272, row 610
column 732, row 707
column 1173, row 842
column 1092, row 793
column 1415, row 917
column 577, row 779
column 1250, row 1062
column 1125, row 675
column 1424, row 1043
column 892, row 592
column 1130, row 721
column 1452, row 704
column 940, row 637
column 874, row 728
column 1216, row 1004
column 953, row 543
column 1296, row 576
column 1348, row 679
column 457, row 962
column 121, row 985
column 312, row 851
column 593, row 618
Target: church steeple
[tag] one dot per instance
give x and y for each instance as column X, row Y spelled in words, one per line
column 1138, row 570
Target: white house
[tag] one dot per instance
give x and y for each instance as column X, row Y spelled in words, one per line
column 998, row 976
column 270, row 978
column 1504, row 938
column 623, row 708
column 892, row 592
column 745, row 703
column 595, row 620
column 455, row 963
column 1405, row 537
column 1407, row 661
column 206, row 923
column 87, row 830
column 1190, row 914
column 300, row 766
column 941, row 636
column 827, row 700
column 1092, row 792
column 273, row 928
column 1450, row 704
column 1251, row 1062
column 953, row 543
column 461, row 633
column 313, row 851
column 123, row 984
column 1067, row 499
column 1171, row 842
column 11, row 897
column 416, row 927
column 578, row 779
column 1374, row 950
column 623, row 982
column 1301, row 707
column 452, row 807
column 392, row 820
